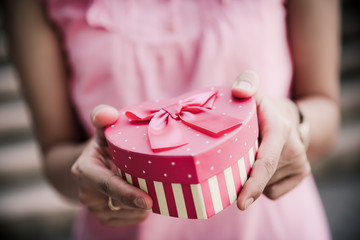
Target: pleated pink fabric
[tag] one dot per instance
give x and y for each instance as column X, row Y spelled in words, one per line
column 122, row 52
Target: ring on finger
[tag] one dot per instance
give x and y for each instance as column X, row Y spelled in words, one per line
column 112, row 206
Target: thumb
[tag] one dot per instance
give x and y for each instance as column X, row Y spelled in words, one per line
column 246, row 84
column 102, row 116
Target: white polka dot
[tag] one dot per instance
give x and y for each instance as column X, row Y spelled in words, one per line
column 197, row 162
column 179, row 121
column 212, row 168
column 112, row 125
column 188, row 149
column 129, row 120
column 149, row 162
column 214, row 107
column 197, row 135
column 126, row 140
column 236, row 139
column 144, row 134
column 144, row 171
column 137, row 126
column 129, row 157
column 245, row 144
column 223, row 113
column 113, row 158
column 249, row 126
column 188, row 127
column 240, row 106
column 123, row 113
column 250, row 112
column 133, row 148
column 221, row 94
column 125, row 166
column 225, row 134
column 212, row 89
column 230, row 100
column 230, row 156
column 189, row 176
column 119, row 133
column 114, row 150
column 173, row 163
column 207, row 142
column 165, row 175
column 219, row 151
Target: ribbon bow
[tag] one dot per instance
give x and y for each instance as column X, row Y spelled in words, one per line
column 164, row 130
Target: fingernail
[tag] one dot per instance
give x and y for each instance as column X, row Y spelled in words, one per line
column 96, row 110
column 243, row 85
column 140, row 202
column 248, row 202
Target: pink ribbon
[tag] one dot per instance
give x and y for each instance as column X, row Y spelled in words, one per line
column 164, row 131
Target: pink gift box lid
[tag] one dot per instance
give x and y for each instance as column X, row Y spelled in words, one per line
column 203, row 155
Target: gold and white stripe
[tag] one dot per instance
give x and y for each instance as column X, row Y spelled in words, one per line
column 160, row 193
column 229, row 179
column 198, row 201
column 215, row 194
column 179, row 200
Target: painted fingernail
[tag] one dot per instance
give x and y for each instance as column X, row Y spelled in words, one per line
column 140, row 202
column 243, row 85
column 248, row 202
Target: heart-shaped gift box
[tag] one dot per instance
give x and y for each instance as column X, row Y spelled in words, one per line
column 191, row 154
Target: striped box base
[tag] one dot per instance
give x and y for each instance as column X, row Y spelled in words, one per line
column 197, row 201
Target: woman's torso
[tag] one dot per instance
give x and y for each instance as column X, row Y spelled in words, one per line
column 123, row 52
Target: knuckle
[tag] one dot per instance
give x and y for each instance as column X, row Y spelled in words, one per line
column 84, row 198
column 104, row 186
column 271, row 193
column 285, row 125
column 127, row 198
column 106, row 183
column 269, row 166
column 76, row 171
column 296, row 149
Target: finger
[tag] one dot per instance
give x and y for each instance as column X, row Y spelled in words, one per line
column 303, row 168
column 297, row 165
column 102, row 116
column 274, row 133
column 117, row 222
column 91, row 197
column 107, row 182
column 96, row 200
column 282, row 187
column 246, row 84
column 293, row 159
column 106, row 213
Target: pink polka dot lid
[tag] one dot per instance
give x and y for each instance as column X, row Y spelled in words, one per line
column 186, row 139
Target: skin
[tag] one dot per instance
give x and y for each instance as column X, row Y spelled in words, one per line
column 81, row 169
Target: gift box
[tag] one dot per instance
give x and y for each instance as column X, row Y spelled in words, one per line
column 191, row 154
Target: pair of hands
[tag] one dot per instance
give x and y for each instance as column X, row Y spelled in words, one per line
column 280, row 165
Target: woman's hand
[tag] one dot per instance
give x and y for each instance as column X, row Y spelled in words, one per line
column 97, row 179
column 281, row 162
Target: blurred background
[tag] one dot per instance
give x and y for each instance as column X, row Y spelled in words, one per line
column 31, row 209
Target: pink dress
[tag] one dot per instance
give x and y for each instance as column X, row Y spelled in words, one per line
column 122, row 52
